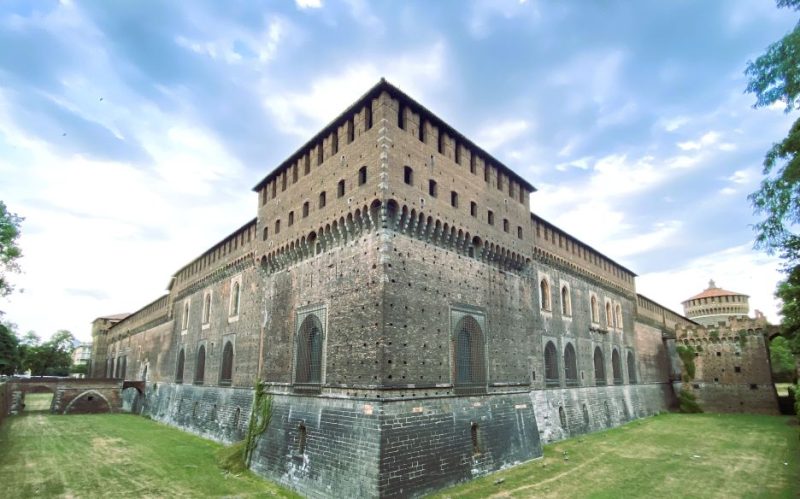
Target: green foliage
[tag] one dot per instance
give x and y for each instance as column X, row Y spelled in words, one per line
column 9, row 249
column 782, row 360
column 775, row 77
column 10, row 358
column 742, row 338
column 687, row 402
column 79, row 369
column 259, row 420
column 714, row 335
column 686, row 353
column 51, row 358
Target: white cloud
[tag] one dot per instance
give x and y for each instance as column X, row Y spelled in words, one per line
column 493, row 136
column 672, row 124
column 235, row 46
column 484, row 14
column 303, row 113
column 736, row 269
column 709, row 138
column 308, row 4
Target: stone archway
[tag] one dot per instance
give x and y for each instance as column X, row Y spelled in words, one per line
column 88, row 402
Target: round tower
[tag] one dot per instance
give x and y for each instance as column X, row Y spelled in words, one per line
column 715, row 305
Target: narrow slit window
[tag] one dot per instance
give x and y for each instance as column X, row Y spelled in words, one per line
column 454, row 199
column 340, row 189
column 277, row 226
column 490, row 217
column 291, row 219
column 432, row 188
column 305, row 209
column 473, row 208
column 322, row 199
column 506, row 225
column 335, row 142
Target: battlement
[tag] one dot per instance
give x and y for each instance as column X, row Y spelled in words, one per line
column 650, row 311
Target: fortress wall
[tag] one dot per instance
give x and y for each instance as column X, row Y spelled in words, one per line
column 344, row 286
column 652, row 355
column 217, row 413
column 732, row 368
column 406, row 448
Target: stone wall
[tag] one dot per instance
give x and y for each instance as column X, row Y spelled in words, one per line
column 5, row 401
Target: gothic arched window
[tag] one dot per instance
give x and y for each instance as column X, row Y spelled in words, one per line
column 631, row 369
column 200, row 366
column 570, row 365
column 226, row 372
column 308, row 368
column 550, row 365
column 544, row 288
column 470, row 357
column 599, row 367
column 179, row 367
column 616, row 367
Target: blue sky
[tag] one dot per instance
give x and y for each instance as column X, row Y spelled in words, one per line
column 131, row 132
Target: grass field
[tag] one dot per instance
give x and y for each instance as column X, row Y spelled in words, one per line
column 672, row 455
column 37, row 402
column 113, row 455
column 782, row 389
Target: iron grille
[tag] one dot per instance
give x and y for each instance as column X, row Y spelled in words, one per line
column 550, row 365
column 200, row 366
column 226, row 373
column 570, row 365
column 179, row 368
column 308, row 371
column 616, row 368
column 599, row 368
column 631, row 369
column 470, row 358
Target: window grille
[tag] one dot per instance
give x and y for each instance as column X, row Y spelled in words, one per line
column 599, row 368
column 470, row 361
column 226, row 373
column 308, row 369
column 200, row 366
column 570, row 365
column 616, row 368
column 550, row 365
column 631, row 368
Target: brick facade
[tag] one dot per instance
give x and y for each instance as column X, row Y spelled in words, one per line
column 414, row 322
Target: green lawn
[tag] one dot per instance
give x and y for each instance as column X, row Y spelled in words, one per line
column 113, row 455
column 35, row 402
column 782, row 389
column 672, row 455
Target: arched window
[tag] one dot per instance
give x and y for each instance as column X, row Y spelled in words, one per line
column 631, row 369
column 618, row 313
column 408, row 175
column 470, row 359
column 200, row 366
column 609, row 315
column 566, row 304
column 570, row 365
column 599, row 367
column 206, row 308
column 544, row 288
column 308, row 368
column 235, row 292
column 595, row 312
column 616, row 367
column 550, row 365
column 226, row 373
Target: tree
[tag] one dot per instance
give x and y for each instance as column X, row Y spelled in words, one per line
column 9, row 248
column 51, row 358
column 782, row 360
column 10, row 359
column 775, row 77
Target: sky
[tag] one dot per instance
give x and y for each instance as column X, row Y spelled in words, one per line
column 132, row 132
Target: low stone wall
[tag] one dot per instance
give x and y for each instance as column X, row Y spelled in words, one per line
column 219, row 414
column 564, row 413
column 745, row 398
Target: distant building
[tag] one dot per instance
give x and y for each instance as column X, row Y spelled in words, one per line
column 716, row 305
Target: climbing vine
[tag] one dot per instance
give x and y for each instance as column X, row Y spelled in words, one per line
column 742, row 338
column 259, row 420
column 686, row 353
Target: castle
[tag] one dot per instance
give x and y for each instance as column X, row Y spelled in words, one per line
column 415, row 324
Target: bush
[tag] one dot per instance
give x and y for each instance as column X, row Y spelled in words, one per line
column 687, row 402
column 231, row 458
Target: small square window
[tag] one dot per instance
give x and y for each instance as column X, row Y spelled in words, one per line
column 737, row 369
column 719, row 354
